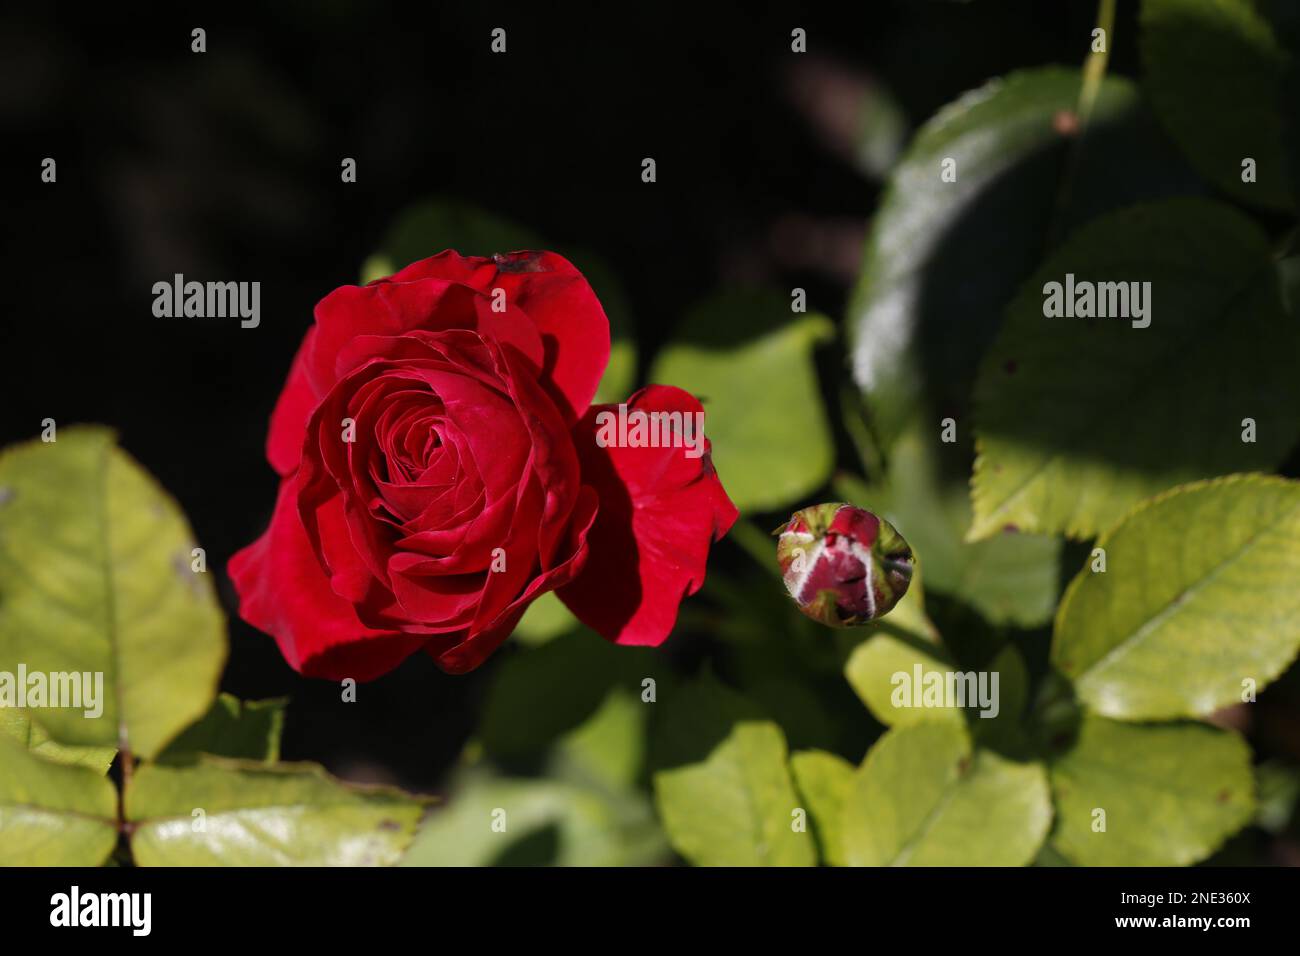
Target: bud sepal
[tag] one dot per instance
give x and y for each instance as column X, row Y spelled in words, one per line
column 843, row 565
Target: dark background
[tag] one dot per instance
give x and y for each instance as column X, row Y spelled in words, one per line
column 225, row 166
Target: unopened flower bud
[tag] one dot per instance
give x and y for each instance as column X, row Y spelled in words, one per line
column 843, row 566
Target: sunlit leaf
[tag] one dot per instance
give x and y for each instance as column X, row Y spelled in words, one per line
column 1198, row 603
column 97, row 577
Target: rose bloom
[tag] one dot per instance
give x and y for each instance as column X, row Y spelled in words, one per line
column 439, row 471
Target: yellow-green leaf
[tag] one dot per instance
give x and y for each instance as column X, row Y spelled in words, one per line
column 18, row 724
column 97, row 577
column 824, row 780
column 738, row 807
column 923, row 798
column 749, row 360
column 1198, row 604
column 884, row 669
column 219, row 812
column 1149, row 794
column 52, row 814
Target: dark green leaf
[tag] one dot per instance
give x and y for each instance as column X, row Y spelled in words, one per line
column 248, row 730
column 1077, row 420
column 943, row 258
column 1214, row 73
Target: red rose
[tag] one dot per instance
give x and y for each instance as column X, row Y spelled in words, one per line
column 440, row 471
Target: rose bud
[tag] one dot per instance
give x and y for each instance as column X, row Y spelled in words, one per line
column 843, row 566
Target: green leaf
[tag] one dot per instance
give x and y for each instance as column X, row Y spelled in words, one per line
column 932, row 291
column 1048, row 856
column 542, row 692
column 749, row 360
column 1004, row 731
column 693, row 719
column 1288, row 275
column 52, row 814
column 546, row 618
column 495, row 822
column 824, row 780
column 1009, row 578
column 19, row 725
column 1172, row 793
column 219, row 812
column 1077, row 420
column 609, row 749
column 1214, row 75
column 737, row 807
column 429, row 227
column 922, row 798
column 247, row 730
column 95, row 578
column 872, row 668
column 1199, row 595
column 1277, row 787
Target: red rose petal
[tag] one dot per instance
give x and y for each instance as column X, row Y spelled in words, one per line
column 471, row 651
column 659, row 513
column 284, row 591
column 290, row 415
column 559, row 301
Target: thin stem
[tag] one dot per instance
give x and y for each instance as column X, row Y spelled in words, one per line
column 860, row 433
column 1094, row 69
column 1094, row 72
column 128, row 771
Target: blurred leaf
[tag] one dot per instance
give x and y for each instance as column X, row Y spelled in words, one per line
column 220, row 812
column 248, row 730
column 1009, row 578
column 1048, row 856
column 694, row 718
column 943, row 258
column 1214, row 75
column 824, row 780
column 881, row 133
column 1051, row 391
column 546, row 823
column 429, row 227
column 540, row 693
column 1289, row 280
column 922, row 798
column 736, row 808
column 1171, row 793
column 609, row 748
column 790, row 698
column 1277, row 787
column 52, row 814
column 1199, row 595
column 871, row 669
column 749, row 360
column 1003, row 731
column 18, row 724
column 546, row 618
column 95, row 573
